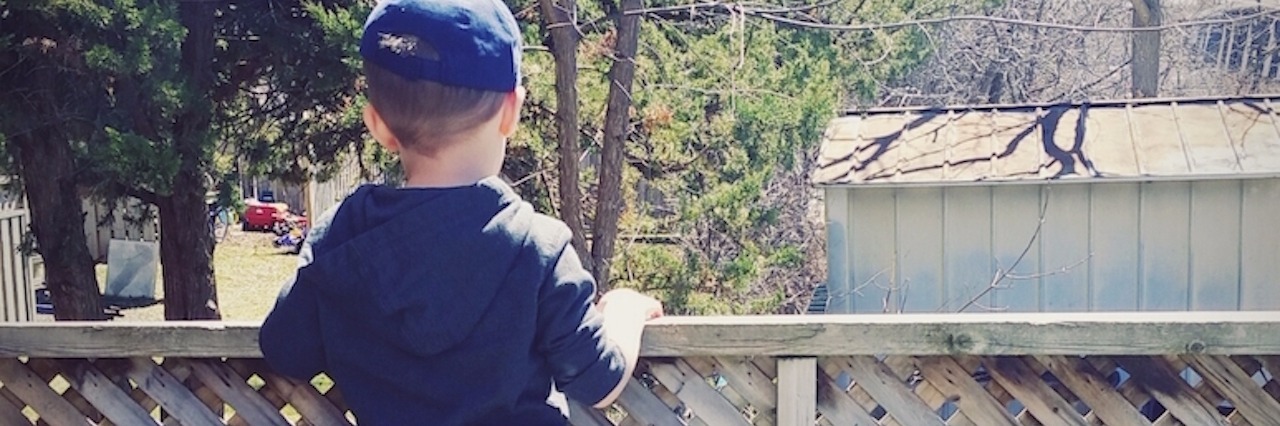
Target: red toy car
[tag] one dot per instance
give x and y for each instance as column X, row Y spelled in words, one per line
column 260, row 216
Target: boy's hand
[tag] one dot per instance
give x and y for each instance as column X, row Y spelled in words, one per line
column 628, row 299
column 625, row 312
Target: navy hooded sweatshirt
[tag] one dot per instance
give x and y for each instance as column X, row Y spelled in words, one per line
column 454, row 306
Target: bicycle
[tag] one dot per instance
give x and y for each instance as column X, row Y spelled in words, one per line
column 219, row 222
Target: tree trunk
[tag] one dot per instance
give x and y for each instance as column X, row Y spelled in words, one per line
column 1146, row 49
column 186, row 246
column 564, row 48
column 186, row 254
column 47, row 167
column 617, row 119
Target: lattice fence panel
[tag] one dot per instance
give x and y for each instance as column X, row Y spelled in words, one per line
column 138, row 391
column 714, row 391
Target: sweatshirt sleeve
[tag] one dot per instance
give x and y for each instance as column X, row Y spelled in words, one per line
column 584, row 363
column 290, row 336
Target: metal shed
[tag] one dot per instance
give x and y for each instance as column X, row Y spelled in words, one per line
column 1147, row 205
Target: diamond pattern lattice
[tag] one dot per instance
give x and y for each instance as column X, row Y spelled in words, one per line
column 850, row 390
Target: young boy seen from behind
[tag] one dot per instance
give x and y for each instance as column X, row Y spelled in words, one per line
column 449, row 301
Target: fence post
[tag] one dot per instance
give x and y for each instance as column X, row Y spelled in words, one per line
column 797, row 391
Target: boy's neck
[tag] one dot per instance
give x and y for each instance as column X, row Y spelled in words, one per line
column 433, row 180
column 447, row 169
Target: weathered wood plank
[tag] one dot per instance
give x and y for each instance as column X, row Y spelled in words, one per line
column 181, row 370
column 10, row 413
column 1167, row 420
column 121, row 340
column 301, row 395
column 1234, row 384
column 169, row 392
column 905, row 406
column 584, row 415
column 101, row 391
column 905, row 368
column 797, row 391
column 750, row 392
column 693, row 390
column 1253, row 365
column 972, row 399
column 1162, row 382
column 838, row 406
column 673, row 403
column 750, row 407
column 233, row 389
column 1056, row 385
column 1272, row 365
column 47, row 370
column 276, row 401
column 36, row 393
column 1019, row 380
column 1146, row 333
column 1130, row 389
column 1092, row 387
column 831, row 368
column 979, row 334
column 8, row 396
column 1206, row 390
column 645, row 407
column 752, row 383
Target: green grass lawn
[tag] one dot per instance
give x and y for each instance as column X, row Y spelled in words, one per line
column 249, row 275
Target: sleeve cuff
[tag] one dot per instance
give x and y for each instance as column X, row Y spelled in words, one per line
column 598, row 380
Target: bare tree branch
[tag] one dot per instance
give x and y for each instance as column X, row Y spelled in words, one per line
column 1003, row 274
column 776, row 15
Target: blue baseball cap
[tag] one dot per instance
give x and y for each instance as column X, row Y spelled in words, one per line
column 463, row 43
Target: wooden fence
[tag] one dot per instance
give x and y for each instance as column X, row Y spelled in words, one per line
column 103, row 224
column 17, row 295
column 989, row 369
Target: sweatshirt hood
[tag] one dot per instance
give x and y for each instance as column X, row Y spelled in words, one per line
column 419, row 266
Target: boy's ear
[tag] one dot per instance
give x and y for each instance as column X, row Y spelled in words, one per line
column 510, row 114
column 379, row 130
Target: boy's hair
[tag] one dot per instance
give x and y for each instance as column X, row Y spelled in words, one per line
column 424, row 115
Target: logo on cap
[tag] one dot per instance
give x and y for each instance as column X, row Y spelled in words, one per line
column 407, row 45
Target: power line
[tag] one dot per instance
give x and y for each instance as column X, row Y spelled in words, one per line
column 772, row 15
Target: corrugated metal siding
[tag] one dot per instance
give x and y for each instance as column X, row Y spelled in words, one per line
column 1210, row 245
column 1260, row 247
column 1115, row 244
column 1119, row 141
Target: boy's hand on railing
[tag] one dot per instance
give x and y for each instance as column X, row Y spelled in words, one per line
column 625, row 313
column 625, row 300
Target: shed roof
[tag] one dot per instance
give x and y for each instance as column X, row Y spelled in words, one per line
column 1130, row 140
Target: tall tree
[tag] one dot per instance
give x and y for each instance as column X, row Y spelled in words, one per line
column 694, row 148
column 59, row 60
column 186, row 246
column 138, row 99
column 564, row 48
column 1146, row 48
column 617, row 128
column 564, row 43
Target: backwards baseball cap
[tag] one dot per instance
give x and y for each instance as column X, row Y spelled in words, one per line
column 463, row 43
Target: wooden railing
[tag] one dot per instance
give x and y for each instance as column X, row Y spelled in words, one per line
column 997, row 369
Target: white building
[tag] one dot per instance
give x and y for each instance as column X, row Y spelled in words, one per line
column 1149, row 205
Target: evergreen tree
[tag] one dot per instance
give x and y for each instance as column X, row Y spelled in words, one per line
column 141, row 97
